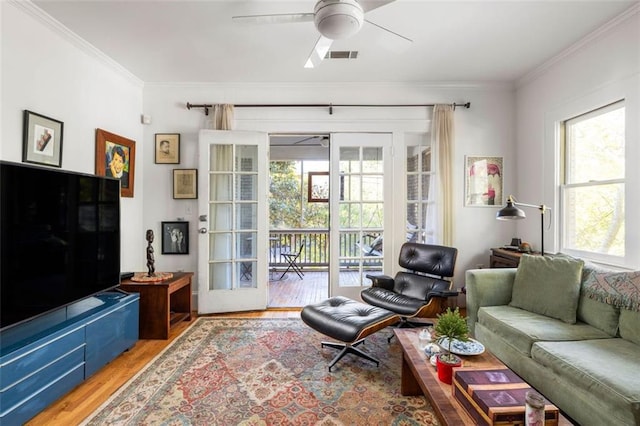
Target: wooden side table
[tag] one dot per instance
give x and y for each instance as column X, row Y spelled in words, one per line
column 501, row 258
column 162, row 303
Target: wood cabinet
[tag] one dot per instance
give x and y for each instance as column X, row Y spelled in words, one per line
column 43, row 359
column 162, row 303
column 502, row 258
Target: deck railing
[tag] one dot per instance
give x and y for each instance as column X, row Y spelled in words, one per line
column 315, row 248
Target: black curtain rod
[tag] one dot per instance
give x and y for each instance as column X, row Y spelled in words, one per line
column 330, row 106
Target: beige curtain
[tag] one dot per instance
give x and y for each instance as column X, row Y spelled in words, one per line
column 443, row 140
column 222, row 117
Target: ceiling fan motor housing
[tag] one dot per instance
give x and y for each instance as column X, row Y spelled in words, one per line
column 338, row 19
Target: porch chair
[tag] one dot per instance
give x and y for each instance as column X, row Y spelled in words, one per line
column 292, row 260
column 421, row 291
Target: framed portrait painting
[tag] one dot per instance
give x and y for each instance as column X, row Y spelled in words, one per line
column 167, row 148
column 175, row 237
column 42, row 140
column 116, row 157
column 483, row 181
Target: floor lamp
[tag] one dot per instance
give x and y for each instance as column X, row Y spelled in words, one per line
column 511, row 212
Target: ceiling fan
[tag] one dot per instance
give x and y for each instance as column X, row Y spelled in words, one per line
column 334, row 20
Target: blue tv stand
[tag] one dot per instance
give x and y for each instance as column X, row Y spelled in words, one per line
column 43, row 359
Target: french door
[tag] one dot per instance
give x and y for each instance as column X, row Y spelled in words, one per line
column 361, row 213
column 233, row 175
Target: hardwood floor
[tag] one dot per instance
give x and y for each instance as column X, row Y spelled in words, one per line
column 88, row 396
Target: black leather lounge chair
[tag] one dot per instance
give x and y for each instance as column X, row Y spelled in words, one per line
column 421, row 290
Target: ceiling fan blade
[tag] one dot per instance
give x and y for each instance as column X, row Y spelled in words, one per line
column 369, row 5
column 281, row 18
column 407, row 39
column 319, row 52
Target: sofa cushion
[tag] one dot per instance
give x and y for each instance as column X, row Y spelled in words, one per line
column 608, row 368
column 598, row 314
column 630, row 326
column 523, row 328
column 548, row 285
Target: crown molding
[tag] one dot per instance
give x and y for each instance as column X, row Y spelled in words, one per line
column 595, row 35
column 467, row 85
column 34, row 11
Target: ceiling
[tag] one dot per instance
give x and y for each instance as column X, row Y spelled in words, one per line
column 453, row 41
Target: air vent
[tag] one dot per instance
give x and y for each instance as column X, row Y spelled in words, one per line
column 341, row 54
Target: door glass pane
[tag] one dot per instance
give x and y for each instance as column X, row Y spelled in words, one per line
column 350, row 216
column 220, row 187
column 372, row 160
column 246, row 216
column 220, row 246
column 220, row 215
column 220, row 158
column 352, row 187
column 245, row 270
column 372, row 216
column 220, row 276
column 246, row 187
column 349, row 160
column 372, row 189
column 412, row 187
column 246, row 245
column 246, row 158
column 425, row 186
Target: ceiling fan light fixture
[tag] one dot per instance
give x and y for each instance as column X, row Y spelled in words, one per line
column 338, row 19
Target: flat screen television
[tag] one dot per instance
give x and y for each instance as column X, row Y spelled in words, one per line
column 60, row 239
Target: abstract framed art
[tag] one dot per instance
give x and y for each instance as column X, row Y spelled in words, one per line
column 483, row 181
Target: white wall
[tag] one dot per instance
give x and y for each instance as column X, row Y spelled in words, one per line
column 603, row 68
column 49, row 71
column 485, row 129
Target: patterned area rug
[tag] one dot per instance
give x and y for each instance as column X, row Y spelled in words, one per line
column 264, row 372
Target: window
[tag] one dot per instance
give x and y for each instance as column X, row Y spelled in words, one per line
column 593, row 188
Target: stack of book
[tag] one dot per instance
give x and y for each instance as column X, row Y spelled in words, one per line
column 495, row 396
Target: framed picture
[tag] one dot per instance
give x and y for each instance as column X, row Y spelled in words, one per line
column 175, row 237
column 116, row 157
column 318, row 187
column 483, row 181
column 167, row 148
column 185, row 183
column 42, row 140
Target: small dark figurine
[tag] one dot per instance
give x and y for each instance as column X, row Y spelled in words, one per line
column 150, row 259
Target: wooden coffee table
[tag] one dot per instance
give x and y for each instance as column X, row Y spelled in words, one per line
column 419, row 377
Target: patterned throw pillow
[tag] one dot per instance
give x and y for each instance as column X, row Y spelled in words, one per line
column 548, row 286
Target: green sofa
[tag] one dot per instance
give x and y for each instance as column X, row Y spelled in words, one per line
column 587, row 364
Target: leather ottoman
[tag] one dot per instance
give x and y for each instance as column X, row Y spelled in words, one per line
column 347, row 321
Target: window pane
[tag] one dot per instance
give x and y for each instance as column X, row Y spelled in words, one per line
column 595, row 146
column 594, row 219
column 412, row 187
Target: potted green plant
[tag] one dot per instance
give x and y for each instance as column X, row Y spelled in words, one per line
column 450, row 326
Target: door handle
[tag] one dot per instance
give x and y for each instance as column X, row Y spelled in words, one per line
column 202, row 230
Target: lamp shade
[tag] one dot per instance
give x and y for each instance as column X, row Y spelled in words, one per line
column 510, row 212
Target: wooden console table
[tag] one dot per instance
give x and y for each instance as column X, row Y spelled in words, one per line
column 502, row 258
column 162, row 303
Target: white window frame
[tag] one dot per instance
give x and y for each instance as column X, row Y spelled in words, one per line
column 564, row 185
